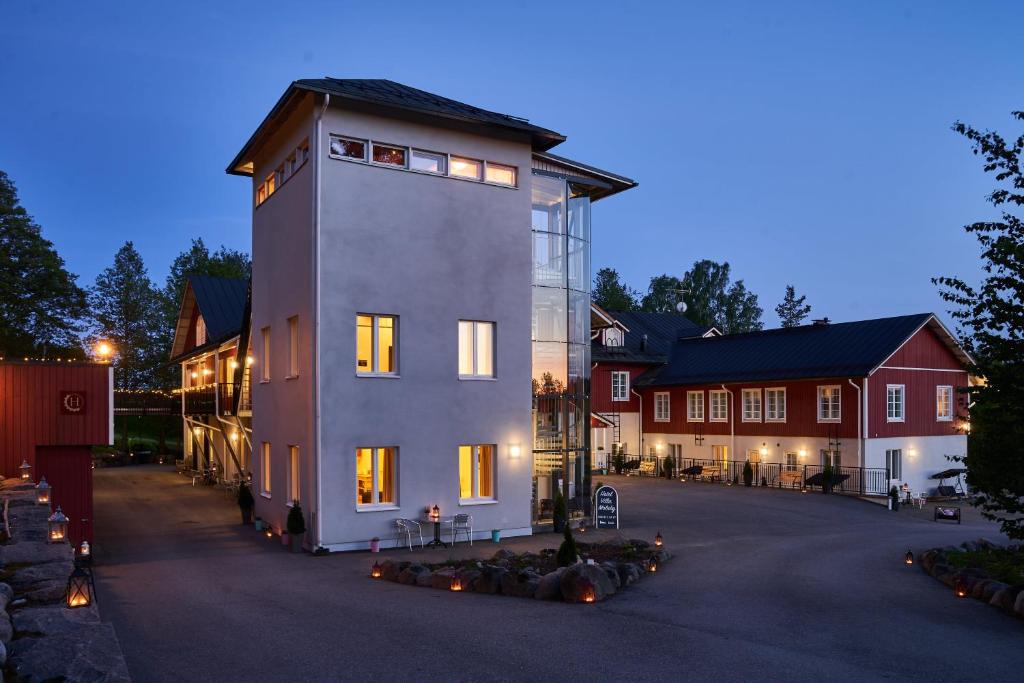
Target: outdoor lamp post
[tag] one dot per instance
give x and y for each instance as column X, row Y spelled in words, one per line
column 376, row 571
column 658, row 540
column 26, row 470
column 57, row 527
column 909, row 557
column 79, row 592
column 43, row 492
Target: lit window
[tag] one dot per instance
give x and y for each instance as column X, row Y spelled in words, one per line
column 719, row 406
column 791, row 462
column 620, row 385
column 265, row 468
column 662, row 406
column 476, row 349
column 389, row 155
column 751, row 405
column 347, row 148
column 271, row 182
column 775, row 405
column 428, row 162
column 200, row 331
column 376, row 476
column 894, row 463
column 829, row 408
column 501, row 174
column 944, row 403
column 265, row 359
column 376, row 344
column 293, row 475
column 476, row 472
column 466, row 168
column 695, row 406
column 293, row 346
column 894, row 403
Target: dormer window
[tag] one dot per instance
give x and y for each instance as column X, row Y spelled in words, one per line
column 612, row 337
column 200, row 331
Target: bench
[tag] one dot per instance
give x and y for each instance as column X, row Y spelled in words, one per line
column 790, row 479
column 709, row 472
column 646, row 468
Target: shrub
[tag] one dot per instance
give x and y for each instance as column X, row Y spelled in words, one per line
column 560, row 514
column 668, row 467
column 245, row 499
column 567, row 552
column 618, row 462
column 748, row 474
column 296, row 522
column 764, row 481
column 826, row 479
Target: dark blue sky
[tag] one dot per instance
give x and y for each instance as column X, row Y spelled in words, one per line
column 806, row 143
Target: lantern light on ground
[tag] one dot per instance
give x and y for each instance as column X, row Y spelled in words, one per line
column 43, row 490
column 85, row 552
column 960, row 587
column 435, row 514
column 909, row 557
column 652, row 564
column 456, row 584
column 658, row 540
column 57, row 527
column 79, row 593
column 26, row 469
column 588, row 593
column 269, row 532
column 376, row 571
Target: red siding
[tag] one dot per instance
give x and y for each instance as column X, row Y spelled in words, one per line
column 919, row 402
column 601, row 388
column 68, row 469
column 923, row 350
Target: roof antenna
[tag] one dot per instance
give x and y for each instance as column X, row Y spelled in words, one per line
column 819, row 322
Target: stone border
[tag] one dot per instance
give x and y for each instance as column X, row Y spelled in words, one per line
column 979, row 584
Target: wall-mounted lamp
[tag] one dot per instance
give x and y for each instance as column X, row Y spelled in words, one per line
column 514, row 450
column 803, row 452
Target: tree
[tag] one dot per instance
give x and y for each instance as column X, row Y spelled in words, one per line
column 125, row 311
column 41, row 304
column 709, row 297
column 990, row 317
column 662, row 295
column 793, row 309
column 613, row 295
column 742, row 312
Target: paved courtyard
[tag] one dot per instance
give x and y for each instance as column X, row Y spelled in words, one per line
column 766, row 585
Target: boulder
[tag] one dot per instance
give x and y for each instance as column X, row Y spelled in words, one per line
column 409, row 575
column 991, row 589
column 390, row 570
column 612, row 570
column 628, row 573
column 503, row 554
column 978, row 589
column 6, row 595
column 521, row 584
column 550, row 587
column 1004, row 599
column 426, row 579
column 3, row 656
column 74, row 646
column 1018, row 606
column 579, row 576
column 490, row 579
column 6, row 628
column 442, row 578
column 469, row 578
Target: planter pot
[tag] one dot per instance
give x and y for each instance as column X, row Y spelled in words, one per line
column 496, row 535
column 284, row 538
column 258, row 524
column 246, row 515
column 375, row 546
column 559, row 525
column 295, row 541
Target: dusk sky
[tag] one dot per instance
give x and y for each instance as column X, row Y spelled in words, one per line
column 804, row 143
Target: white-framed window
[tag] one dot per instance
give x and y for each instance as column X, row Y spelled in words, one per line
column 719, row 405
column 389, row 155
column 751, row 405
column 476, row 473
column 265, row 469
column 620, row 385
column 476, row 349
column 829, row 403
column 792, row 459
column 292, row 164
column 831, row 458
column 279, row 175
column 293, row 346
column 428, row 162
column 294, row 477
column 376, row 344
column 894, row 402
column 500, row 174
column 376, row 477
column 302, row 152
column 661, row 406
column 775, row 405
column 694, row 406
column 944, row 403
column 612, row 337
column 348, row 148
column 463, row 167
column 894, row 462
column 265, row 355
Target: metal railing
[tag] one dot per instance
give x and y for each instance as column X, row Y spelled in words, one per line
column 232, row 399
column 139, row 403
column 200, row 400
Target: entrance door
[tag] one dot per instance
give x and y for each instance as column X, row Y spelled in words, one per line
column 720, row 454
column 791, row 461
column 831, row 458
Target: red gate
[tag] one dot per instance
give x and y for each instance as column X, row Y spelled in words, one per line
column 68, row 469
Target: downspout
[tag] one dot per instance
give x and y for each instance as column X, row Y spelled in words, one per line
column 860, row 421
column 732, row 422
column 640, row 427
column 317, row 523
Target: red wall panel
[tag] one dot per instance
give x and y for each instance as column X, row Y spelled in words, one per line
column 68, row 469
column 923, row 350
column 918, row 401
column 601, row 388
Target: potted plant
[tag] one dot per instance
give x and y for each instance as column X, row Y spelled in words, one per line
column 618, row 462
column 567, row 553
column 748, row 474
column 246, row 503
column 560, row 514
column 764, row 481
column 296, row 527
column 826, row 479
column 668, row 467
column 258, row 523
column 374, row 545
column 894, row 499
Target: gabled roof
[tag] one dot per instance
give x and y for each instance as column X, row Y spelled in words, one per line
column 852, row 349
column 662, row 330
column 399, row 98
column 221, row 302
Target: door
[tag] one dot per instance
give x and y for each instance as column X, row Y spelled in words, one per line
column 791, row 461
column 68, row 469
column 720, row 454
column 831, row 458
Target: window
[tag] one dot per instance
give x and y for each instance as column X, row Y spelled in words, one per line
column 292, row 164
column 348, row 148
column 719, row 405
column 751, row 405
column 279, row 176
column 376, row 477
column 266, row 188
column 830, row 458
column 894, row 462
column 293, row 346
column 661, row 406
column 302, row 153
column 476, row 349
column 466, row 168
column 265, row 469
column 388, row 155
column 265, row 359
column 775, row 405
column 376, row 344
column 894, row 403
column 944, row 403
column 200, row 331
column 829, row 408
column 791, row 462
column 501, row 174
column 293, row 475
column 476, row 472
column 620, row 385
column 694, row 406
column 428, row 162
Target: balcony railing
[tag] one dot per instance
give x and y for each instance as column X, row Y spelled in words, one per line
column 223, row 396
column 234, row 399
column 201, row 400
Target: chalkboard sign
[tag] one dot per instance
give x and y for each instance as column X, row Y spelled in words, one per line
column 951, row 514
column 606, row 508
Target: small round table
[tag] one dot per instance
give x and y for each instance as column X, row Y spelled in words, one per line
column 437, row 531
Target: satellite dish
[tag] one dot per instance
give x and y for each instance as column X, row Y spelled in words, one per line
column 681, row 307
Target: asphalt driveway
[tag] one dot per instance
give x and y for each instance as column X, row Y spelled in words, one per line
column 766, row 585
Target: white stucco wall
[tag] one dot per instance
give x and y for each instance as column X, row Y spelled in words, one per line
column 922, row 457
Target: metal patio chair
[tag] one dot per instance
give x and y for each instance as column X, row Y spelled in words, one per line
column 462, row 523
column 408, row 527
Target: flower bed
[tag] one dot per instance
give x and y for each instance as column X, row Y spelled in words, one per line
column 981, row 570
column 601, row 570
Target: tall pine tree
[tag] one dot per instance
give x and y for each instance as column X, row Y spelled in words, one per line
column 612, row 294
column 793, row 310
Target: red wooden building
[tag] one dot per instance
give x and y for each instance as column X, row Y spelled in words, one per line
column 51, row 414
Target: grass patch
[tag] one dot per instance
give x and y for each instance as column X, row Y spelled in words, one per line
column 1002, row 564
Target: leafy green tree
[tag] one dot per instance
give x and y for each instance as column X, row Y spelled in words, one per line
column 742, row 312
column 710, row 298
column 662, row 294
column 41, row 304
column 612, row 294
column 990, row 317
column 793, row 309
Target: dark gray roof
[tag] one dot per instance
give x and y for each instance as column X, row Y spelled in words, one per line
column 662, row 330
column 850, row 349
column 221, row 301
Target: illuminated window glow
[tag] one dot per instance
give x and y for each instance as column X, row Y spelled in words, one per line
column 476, row 472
column 467, row 168
column 476, row 349
column 501, row 174
column 376, row 344
column 376, row 476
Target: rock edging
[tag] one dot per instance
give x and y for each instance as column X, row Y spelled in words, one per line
column 979, row 585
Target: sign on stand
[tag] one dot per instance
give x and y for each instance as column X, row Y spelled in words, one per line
column 606, row 508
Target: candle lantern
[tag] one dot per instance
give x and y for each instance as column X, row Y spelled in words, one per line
column 43, row 490
column 658, row 540
column 589, row 594
column 26, row 470
column 456, row 584
column 79, row 593
column 57, row 527
column 85, row 552
column 652, row 564
column 960, row 587
column 435, row 514
column 376, row 571
column 909, row 557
